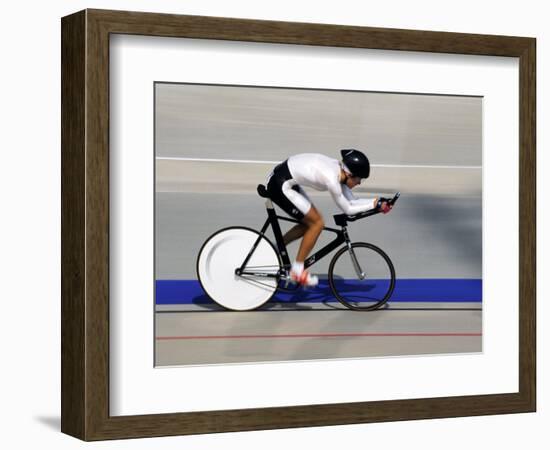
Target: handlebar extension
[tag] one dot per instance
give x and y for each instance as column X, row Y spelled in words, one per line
column 343, row 219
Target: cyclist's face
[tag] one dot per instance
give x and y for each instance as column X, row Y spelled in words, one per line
column 351, row 182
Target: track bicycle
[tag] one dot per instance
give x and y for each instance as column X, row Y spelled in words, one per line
column 240, row 268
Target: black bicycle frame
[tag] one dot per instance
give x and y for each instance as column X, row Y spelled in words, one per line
column 273, row 221
column 341, row 237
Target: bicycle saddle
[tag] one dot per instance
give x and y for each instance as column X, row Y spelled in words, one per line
column 262, row 191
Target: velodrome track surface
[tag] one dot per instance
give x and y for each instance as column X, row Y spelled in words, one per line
column 286, row 335
column 428, row 239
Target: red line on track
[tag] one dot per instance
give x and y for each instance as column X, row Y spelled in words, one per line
column 323, row 335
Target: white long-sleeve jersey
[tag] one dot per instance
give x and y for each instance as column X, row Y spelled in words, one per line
column 322, row 173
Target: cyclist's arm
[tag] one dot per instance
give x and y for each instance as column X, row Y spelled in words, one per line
column 347, row 193
column 341, row 195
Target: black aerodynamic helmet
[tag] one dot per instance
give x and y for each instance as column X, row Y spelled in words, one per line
column 356, row 162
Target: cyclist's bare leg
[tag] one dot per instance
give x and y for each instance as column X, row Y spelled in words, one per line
column 314, row 222
column 296, row 232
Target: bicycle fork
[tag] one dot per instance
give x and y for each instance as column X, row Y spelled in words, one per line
column 360, row 274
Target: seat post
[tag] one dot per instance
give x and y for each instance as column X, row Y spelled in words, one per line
column 269, row 204
column 276, row 228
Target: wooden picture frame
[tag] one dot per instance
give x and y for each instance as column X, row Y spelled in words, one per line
column 85, row 224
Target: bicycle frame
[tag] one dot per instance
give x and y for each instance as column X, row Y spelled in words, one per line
column 273, row 221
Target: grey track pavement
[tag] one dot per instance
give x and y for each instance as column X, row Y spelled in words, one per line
column 426, row 236
column 233, row 337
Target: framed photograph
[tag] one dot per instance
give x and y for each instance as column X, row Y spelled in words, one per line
column 247, row 204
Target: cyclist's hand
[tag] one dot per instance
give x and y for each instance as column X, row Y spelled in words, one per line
column 384, row 205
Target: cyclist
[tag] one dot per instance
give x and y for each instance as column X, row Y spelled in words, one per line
column 320, row 172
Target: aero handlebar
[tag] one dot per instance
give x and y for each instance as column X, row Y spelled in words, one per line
column 342, row 219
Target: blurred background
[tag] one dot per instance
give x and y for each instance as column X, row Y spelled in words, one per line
column 214, row 144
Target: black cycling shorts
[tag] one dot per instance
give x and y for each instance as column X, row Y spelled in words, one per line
column 275, row 188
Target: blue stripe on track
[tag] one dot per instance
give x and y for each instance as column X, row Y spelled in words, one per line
column 180, row 292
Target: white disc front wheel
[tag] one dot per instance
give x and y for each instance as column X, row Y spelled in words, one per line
column 223, row 253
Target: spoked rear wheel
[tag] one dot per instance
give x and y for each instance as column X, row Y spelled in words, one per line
column 223, row 253
column 361, row 278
